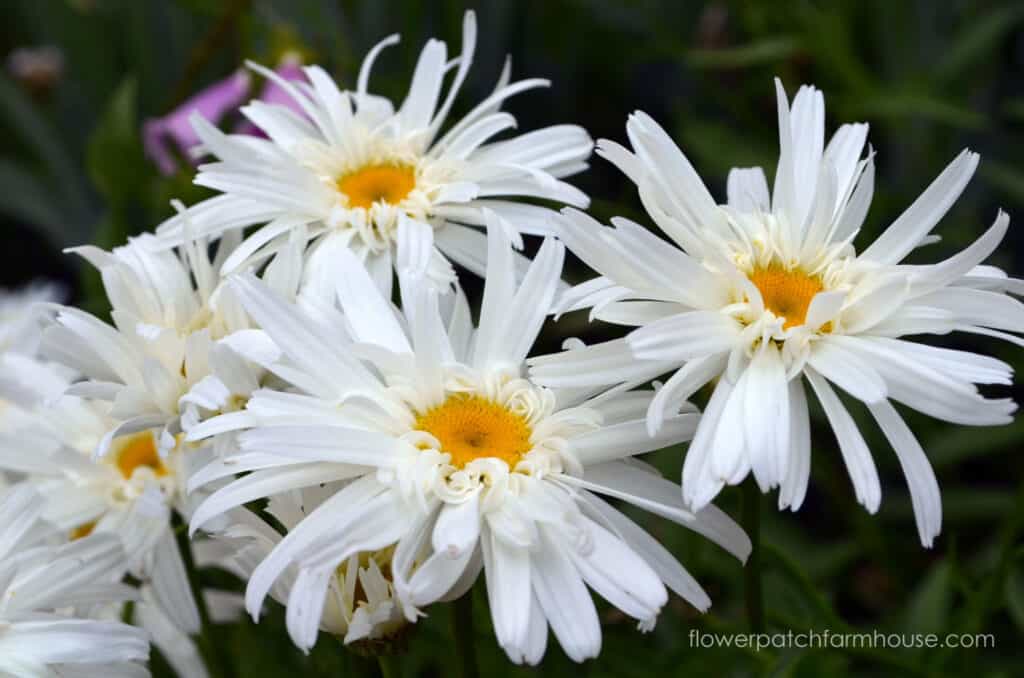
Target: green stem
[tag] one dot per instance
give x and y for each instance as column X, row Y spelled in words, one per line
column 462, row 630
column 751, row 519
column 388, row 666
column 218, row 663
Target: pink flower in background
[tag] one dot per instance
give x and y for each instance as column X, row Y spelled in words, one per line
column 213, row 103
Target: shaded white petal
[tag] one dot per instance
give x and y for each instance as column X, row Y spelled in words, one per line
column 856, row 454
column 904, row 234
column 924, row 488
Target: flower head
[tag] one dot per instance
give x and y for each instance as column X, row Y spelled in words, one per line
column 446, row 452
column 359, row 170
column 109, row 454
column 127, row 494
column 177, row 350
column 768, row 291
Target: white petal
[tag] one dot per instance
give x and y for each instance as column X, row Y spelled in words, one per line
column 458, row 528
column 565, row 600
column 920, row 218
column 747, row 190
column 507, row 570
column 794, row 485
column 171, row 588
column 856, row 454
column 630, row 438
column 850, row 372
column 924, row 488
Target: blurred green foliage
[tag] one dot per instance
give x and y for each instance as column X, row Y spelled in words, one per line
column 930, row 77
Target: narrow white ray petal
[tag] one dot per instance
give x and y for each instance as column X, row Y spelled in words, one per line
column 847, row 370
column 798, row 473
column 264, row 483
column 508, row 572
column 669, row 569
column 171, row 589
column 565, row 600
column 747, row 190
column 699, row 484
column 371, row 316
column 924, row 488
column 640, row 595
column 630, row 438
column 457, row 528
column 663, row 497
column 856, row 454
column 927, row 390
column 685, row 336
column 920, row 218
column 598, row 365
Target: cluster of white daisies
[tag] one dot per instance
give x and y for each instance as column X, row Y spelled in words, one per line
column 266, row 400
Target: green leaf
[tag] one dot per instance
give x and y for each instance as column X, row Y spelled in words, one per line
column 778, row 561
column 764, row 51
column 1013, row 108
column 953, row 447
column 1005, row 177
column 959, row 504
column 26, row 198
column 919, row 105
column 25, row 122
column 114, row 156
column 929, row 606
column 1015, row 598
column 976, row 42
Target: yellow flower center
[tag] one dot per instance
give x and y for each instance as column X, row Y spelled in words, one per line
column 470, row 427
column 786, row 293
column 135, row 450
column 82, row 531
column 378, row 183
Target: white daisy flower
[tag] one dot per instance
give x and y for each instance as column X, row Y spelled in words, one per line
column 178, row 350
column 40, row 587
column 357, row 171
column 128, row 493
column 109, row 456
column 455, row 459
column 765, row 292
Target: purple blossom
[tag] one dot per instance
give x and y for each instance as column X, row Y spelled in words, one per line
column 214, row 103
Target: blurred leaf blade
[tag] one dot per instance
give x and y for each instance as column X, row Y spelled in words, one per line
column 744, row 56
column 26, row 198
column 976, row 41
column 24, row 121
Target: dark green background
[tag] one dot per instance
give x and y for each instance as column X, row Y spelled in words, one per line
column 930, row 77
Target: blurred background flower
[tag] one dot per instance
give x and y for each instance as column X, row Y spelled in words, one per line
column 82, row 81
